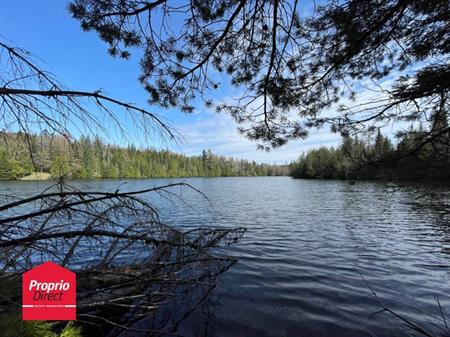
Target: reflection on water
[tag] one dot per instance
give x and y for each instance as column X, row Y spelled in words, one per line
column 307, row 246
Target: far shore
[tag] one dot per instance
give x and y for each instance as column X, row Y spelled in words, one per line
column 37, row 176
column 47, row 176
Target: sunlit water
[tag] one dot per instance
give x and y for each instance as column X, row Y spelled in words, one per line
column 313, row 256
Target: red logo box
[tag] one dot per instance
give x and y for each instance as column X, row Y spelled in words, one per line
column 49, row 293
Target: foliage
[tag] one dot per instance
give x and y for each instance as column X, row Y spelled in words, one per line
column 70, row 330
column 13, row 326
column 290, row 62
column 89, row 158
column 359, row 159
column 60, row 166
column 127, row 261
column 137, row 263
column 10, row 169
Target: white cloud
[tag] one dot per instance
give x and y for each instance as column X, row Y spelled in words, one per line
column 218, row 133
column 209, row 130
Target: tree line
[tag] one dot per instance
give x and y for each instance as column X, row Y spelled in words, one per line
column 87, row 158
column 379, row 158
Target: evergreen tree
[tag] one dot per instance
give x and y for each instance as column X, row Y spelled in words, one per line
column 284, row 58
column 357, row 159
column 60, row 167
column 85, row 159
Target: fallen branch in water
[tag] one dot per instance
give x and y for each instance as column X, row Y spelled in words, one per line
column 409, row 323
column 128, row 262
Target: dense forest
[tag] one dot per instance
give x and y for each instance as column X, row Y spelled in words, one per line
column 378, row 158
column 87, row 158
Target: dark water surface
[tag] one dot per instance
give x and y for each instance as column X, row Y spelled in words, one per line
column 312, row 256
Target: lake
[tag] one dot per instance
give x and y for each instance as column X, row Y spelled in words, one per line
column 313, row 255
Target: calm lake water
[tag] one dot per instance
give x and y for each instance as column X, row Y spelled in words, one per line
column 313, row 254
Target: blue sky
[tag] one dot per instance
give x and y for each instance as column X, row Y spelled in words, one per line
column 80, row 61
